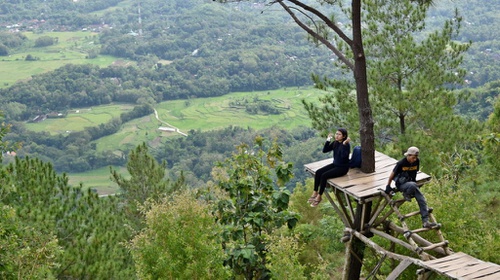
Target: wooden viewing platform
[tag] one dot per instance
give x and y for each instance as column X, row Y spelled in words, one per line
column 365, row 210
column 364, row 186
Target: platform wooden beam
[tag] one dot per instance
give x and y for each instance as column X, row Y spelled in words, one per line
column 345, row 220
column 402, row 266
column 367, row 191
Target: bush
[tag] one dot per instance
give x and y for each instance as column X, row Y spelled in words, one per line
column 44, row 41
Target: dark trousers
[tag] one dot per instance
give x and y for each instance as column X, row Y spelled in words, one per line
column 412, row 190
column 327, row 172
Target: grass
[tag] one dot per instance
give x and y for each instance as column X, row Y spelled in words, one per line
column 99, row 179
column 194, row 114
column 216, row 113
column 78, row 119
column 71, row 48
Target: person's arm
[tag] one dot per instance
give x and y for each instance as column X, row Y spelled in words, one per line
column 394, row 172
column 414, row 174
column 388, row 188
column 345, row 150
column 328, row 147
column 391, row 177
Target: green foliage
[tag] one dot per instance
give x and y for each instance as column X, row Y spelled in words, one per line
column 45, row 41
column 335, row 109
column 491, row 141
column 410, row 75
column 27, row 252
column 319, row 231
column 4, row 51
column 458, row 165
column 480, row 102
column 75, row 151
column 255, row 205
column 196, row 153
column 147, row 182
column 468, row 222
column 4, row 129
column 87, row 229
column 283, row 258
column 180, row 241
column 12, row 40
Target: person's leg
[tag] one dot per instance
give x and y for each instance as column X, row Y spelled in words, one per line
column 412, row 190
column 319, row 173
column 332, row 173
column 317, row 179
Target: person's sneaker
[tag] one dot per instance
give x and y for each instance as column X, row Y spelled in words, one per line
column 429, row 225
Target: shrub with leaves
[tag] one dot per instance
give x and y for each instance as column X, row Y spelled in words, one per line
column 257, row 204
column 180, row 241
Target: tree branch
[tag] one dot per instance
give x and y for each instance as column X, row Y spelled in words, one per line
column 315, row 35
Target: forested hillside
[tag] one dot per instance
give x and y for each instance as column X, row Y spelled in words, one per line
column 481, row 27
column 188, row 49
column 231, row 203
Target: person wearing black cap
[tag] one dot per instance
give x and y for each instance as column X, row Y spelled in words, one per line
column 405, row 176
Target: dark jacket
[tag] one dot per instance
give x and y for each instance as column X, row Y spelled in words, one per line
column 340, row 152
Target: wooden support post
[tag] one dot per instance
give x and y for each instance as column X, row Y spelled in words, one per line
column 399, row 269
column 355, row 255
column 363, row 216
column 443, row 244
column 345, row 220
column 411, row 214
column 348, row 200
column 377, row 267
column 343, row 208
column 447, row 250
column 383, row 251
column 393, row 239
column 354, row 259
column 380, row 207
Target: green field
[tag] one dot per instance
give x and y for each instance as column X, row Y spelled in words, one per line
column 78, row 119
column 216, row 113
column 194, row 114
column 71, row 48
column 99, row 179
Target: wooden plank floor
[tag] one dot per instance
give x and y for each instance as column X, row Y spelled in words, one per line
column 463, row 266
column 364, row 185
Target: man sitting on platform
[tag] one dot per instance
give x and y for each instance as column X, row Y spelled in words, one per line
column 405, row 176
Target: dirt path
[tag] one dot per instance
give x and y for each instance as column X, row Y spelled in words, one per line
column 169, row 125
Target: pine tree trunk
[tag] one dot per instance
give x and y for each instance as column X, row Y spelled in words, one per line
column 365, row 112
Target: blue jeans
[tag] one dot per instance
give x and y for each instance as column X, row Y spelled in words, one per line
column 412, row 190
